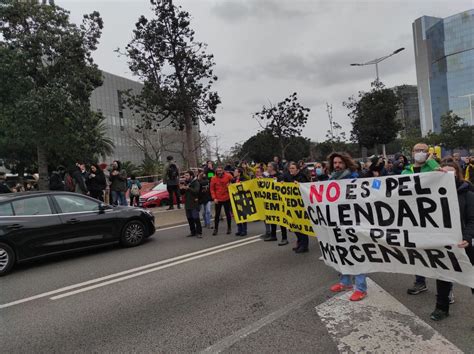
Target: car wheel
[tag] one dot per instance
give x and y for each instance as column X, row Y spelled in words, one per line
column 133, row 233
column 7, row 259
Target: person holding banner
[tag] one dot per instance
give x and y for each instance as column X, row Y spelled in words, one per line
column 466, row 208
column 274, row 173
column 238, row 178
column 220, row 194
column 296, row 175
column 341, row 166
column 191, row 188
column 422, row 163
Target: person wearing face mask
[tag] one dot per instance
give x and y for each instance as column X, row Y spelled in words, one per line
column 469, row 176
column 422, row 163
column 466, row 209
column 321, row 174
column 220, row 194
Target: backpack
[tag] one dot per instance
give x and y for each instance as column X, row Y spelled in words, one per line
column 69, row 182
column 135, row 191
column 173, row 173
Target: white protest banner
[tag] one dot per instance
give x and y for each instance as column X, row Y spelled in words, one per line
column 399, row 224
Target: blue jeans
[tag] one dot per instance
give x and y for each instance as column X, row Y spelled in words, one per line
column 118, row 198
column 360, row 281
column 268, row 229
column 420, row 280
column 242, row 228
column 206, row 213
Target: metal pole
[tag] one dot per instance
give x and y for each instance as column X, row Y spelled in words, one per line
column 470, row 106
column 377, row 70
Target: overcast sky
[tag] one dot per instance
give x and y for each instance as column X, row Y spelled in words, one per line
column 266, row 49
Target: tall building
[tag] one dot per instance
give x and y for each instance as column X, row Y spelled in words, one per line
column 444, row 53
column 408, row 113
column 121, row 124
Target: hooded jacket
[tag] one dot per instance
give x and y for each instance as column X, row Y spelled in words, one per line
column 466, row 208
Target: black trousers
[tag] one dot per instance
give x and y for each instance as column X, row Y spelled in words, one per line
column 99, row 195
column 134, row 200
column 227, row 209
column 303, row 240
column 194, row 221
column 174, row 190
column 284, row 232
column 443, row 288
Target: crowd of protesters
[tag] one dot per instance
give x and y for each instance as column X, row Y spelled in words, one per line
column 209, row 184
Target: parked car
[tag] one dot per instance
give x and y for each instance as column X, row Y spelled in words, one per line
column 156, row 197
column 38, row 224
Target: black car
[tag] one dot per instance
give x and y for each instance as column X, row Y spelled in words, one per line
column 38, row 224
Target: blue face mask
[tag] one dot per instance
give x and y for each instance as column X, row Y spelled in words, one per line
column 319, row 171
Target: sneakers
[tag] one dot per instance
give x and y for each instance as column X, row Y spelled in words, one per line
column 451, row 298
column 238, row 234
column 301, row 250
column 199, row 235
column 337, row 288
column 438, row 315
column 243, row 234
column 229, row 231
column 283, row 243
column 416, row 289
column 214, row 233
column 270, row 239
column 358, row 295
column 191, row 235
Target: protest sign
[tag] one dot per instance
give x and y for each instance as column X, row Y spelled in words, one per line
column 273, row 202
column 401, row 224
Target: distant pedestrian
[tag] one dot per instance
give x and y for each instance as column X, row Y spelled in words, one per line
column 171, row 179
column 209, row 170
column 56, row 180
column 78, row 179
column 469, row 176
column 134, row 187
column 118, row 184
column 205, row 199
column 96, row 183
column 191, row 188
column 3, row 186
column 220, row 194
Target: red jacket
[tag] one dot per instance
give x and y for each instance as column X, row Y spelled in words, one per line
column 219, row 187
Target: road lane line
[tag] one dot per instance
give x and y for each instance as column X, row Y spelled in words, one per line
column 379, row 324
column 229, row 341
column 93, row 281
column 134, row 275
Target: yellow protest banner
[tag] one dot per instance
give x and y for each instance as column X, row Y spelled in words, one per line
column 273, row 202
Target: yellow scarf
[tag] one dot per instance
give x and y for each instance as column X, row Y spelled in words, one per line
column 467, row 176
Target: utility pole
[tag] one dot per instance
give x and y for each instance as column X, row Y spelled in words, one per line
column 329, row 110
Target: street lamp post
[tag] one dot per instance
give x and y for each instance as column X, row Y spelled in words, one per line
column 377, row 61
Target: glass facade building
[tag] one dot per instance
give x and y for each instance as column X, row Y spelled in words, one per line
column 444, row 53
column 408, row 113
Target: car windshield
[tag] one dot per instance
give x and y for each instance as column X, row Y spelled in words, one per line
column 159, row 187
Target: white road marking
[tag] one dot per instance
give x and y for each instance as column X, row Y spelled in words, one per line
column 379, row 324
column 229, row 341
column 97, row 280
column 134, row 275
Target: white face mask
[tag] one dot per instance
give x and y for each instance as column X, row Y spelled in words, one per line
column 420, row 157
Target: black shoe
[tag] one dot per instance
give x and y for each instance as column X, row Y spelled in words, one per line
column 438, row 315
column 170, row 208
column 199, row 235
column 416, row 289
column 238, row 234
column 270, row 239
column 214, row 233
column 243, row 234
column 283, row 243
column 179, row 206
column 229, row 231
column 191, row 235
column 301, row 250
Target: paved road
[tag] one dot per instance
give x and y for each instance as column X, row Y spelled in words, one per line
column 222, row 293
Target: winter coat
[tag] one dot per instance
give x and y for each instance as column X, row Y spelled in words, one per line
column 56, row 182
column 79, row 182
column 166, row 179
column 466, row 208
column 118, row 183
column 96, row 183
column 299, row 177
column 205, row 192
column 429, row 166
column 399, row 167
column 4, row 188
column 191, row 195
column 220, row 187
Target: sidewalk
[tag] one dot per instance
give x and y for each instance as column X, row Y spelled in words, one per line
column 164, row 217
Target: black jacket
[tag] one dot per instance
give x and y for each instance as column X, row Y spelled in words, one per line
column 79, row 182
column 4, row 188
column 96, row 183
column 205, row 191
column 299, row 177
column 466, row 208
column 56, row 182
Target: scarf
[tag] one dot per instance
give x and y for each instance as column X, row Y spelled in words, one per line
column 340, row 174
column 468, row 172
